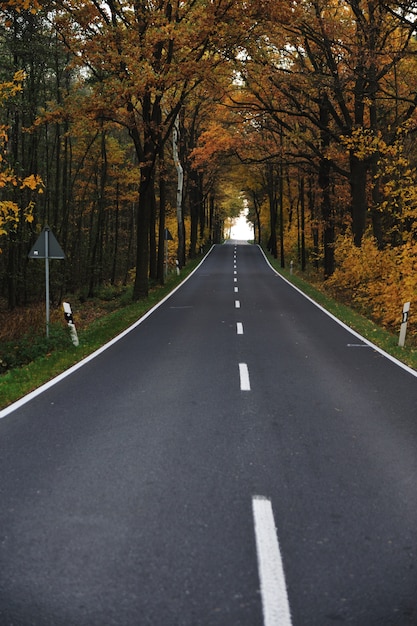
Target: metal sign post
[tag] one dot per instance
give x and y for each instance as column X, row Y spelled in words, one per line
column 46, row 235
column 46, row 247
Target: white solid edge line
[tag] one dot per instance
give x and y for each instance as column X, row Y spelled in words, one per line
column 36, row 392
column 275, row 604
column 244, row 377
column 342, row 324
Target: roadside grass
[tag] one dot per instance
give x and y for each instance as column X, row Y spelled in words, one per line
column 115, row 317
column 381, row 337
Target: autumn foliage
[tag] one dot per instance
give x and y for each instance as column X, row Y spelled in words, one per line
column 11, row 184
column 303, row 112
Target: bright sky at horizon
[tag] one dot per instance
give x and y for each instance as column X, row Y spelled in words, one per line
column 241, row 229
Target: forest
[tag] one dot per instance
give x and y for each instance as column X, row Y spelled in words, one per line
column 120, row 119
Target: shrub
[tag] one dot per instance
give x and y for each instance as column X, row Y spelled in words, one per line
column 376, row 282
column 30, row 346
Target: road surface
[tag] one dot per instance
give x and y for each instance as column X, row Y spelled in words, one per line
column 237, row 459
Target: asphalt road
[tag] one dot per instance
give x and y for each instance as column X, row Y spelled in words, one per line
column 127, row 489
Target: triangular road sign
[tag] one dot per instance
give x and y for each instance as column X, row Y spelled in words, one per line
column 46, row 240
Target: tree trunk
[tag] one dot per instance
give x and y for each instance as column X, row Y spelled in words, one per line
column 376, row 216
column 115, row 237
column 180, row 186
column 257, row 223
column 194, row 211
column 143, row 220
column 96, row 244
column 162, row 212
column 328, row 218
column 358, row 175
column 272, row 243
column 146, row 154
column 314, row 221
column 152, row 234
column 327, row 211
column 302, row 225
column 281, row 216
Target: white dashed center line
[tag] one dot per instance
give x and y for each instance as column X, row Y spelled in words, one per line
column 237, row 304
column 244, row 377
column 275, row 605
column 239, row 328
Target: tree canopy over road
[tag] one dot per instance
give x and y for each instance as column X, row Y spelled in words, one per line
column 304, row 112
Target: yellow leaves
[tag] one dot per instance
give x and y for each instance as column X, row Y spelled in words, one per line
column 377, row 282
column 396, row 180
column 12, row 87
column 11, row 184
column 11, row 214
column 10, row 211
column 33, row 182
column 362, row 142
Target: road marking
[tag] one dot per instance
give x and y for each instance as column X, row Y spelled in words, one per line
column 275, row 605
column 235, row 280
column 235, row 272
column 239, row 328
column 236, row 289
column 357, row 345
column 244, row 377
column 237, row 304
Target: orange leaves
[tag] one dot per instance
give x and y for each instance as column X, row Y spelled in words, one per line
column 213, row 142
column 33, row 182
column 32, row 6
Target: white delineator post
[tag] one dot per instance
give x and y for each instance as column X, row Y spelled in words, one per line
column 180, row 187
column 70, row 321
column 403, row 329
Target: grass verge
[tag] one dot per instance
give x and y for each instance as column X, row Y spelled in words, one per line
column 17, row 382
